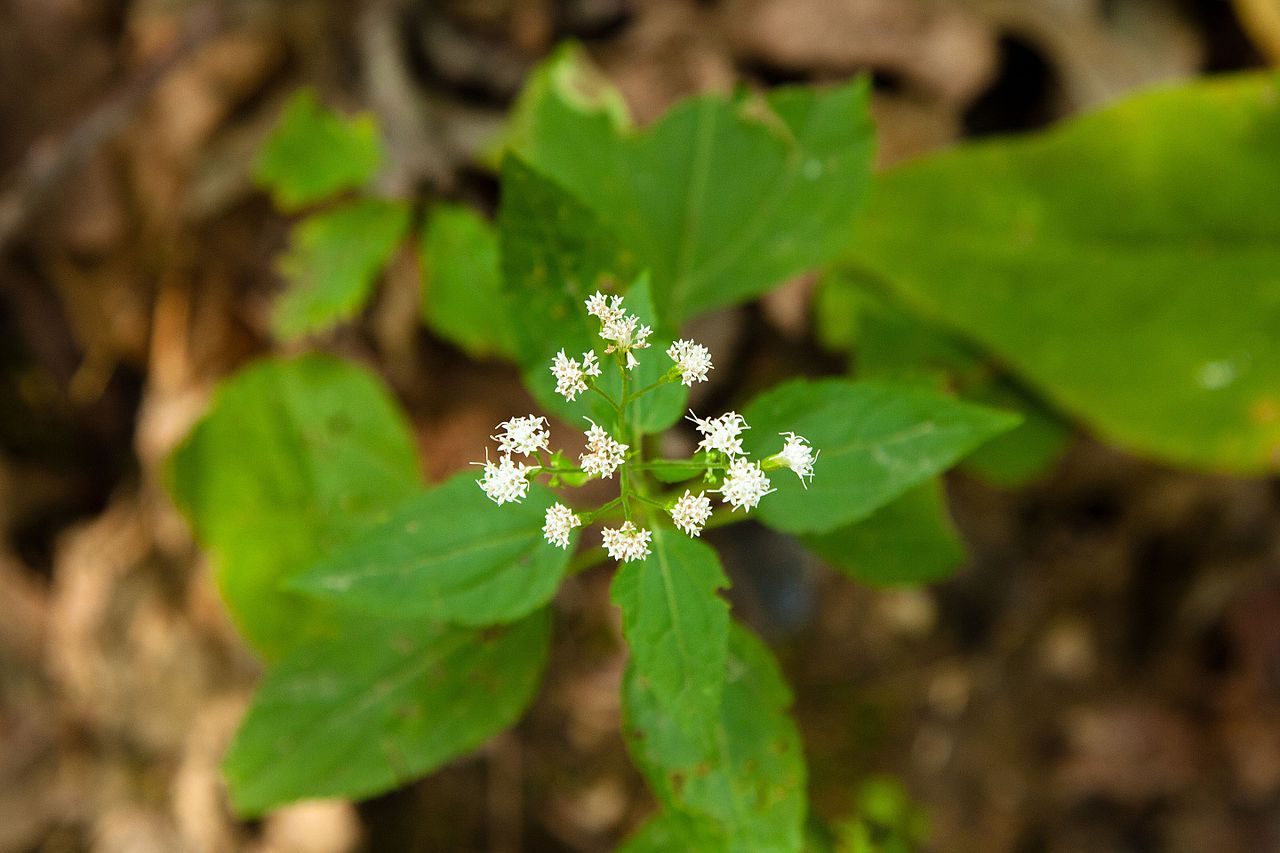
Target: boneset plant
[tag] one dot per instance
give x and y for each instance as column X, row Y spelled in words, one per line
column 720, row 461
column 403, row 625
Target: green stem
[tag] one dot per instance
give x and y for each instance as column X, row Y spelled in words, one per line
column 624, row 480
column 650, row 501
column 679, row 463
column 590, row 518
column 617, row 410
column 647, row 389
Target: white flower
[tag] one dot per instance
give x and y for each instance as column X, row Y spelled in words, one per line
column 690, row 512
column 627, row 334
column 744, row 484
column 798, row 455
column 608, row 309
column 570, row 375
column 590, row 364
column 525, row 436
column 625, row 330
column 694, row 360
column 504, row 480
column 626, row 543
column 604, row 454
column 721, row 433
column 560, row 522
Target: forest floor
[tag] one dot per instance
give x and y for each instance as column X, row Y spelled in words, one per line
column 1103, row 675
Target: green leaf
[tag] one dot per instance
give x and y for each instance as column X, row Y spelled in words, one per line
column 908, row 541
column 677, row 628
column 463, row 301
column 752, row 781
column 332, row 262
column 672, row 830
column 721, row 199
column 555, row 253
column 895, row 345
column 378, row 703
column 449, row 554
column 1123, row 265
column 837, row 310
column 875, row 442
column 293, row 460
column 898, row 346
column 314, row 152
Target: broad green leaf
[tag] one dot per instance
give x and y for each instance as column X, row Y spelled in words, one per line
column 333, row 259
column 722, row 198
column 897, row 346
column 677, row 627
column 556, row 253
column 670, row 830
column 751, row 780
column 462, row 300
column 378, row 703
column 893, row 344
column 1126, row 265
column 449, row 554
column 294, row 459
column 314, row 152
column 908, row 541
column 875, row 442
column 566, row 79
column 837, row 310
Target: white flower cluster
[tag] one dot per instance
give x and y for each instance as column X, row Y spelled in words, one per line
column 744, row 481
column 798, row 455
column 560, row 522
column 571, row 376
column 504, row 481
column 525, row 436
column 625, row 334
column 721, row 435
column 744, row 484
column 690, row 512
column 603, row 455
column 626, row 543
column 625, row 331
column 693, row 361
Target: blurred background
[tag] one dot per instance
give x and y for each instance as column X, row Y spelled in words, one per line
column 1102, row 675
